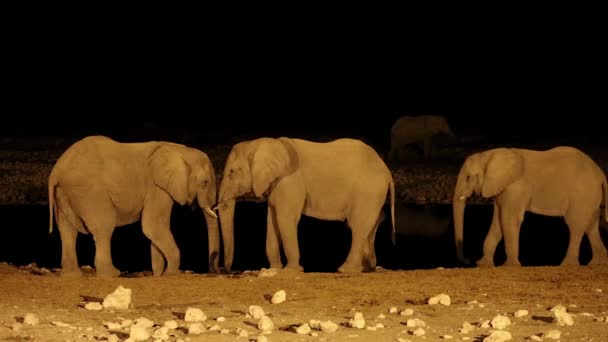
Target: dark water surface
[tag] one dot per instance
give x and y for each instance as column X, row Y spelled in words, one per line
column 425, row 240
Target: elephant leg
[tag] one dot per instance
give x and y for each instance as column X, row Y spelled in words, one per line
column 362, row 226
column 103, row 255
column 158, row 260
column 371, row 251
column 69, row 259
column 273, row 252
column 599, row 255
column 155, row 223
column 492, row 239
column 511, row 217
column 578, row 222
column 287, row 221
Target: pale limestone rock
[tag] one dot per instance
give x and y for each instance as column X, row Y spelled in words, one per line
column 194, row 315
column 93, row 306
column 196, row 329
column 303, row 329
column 265, row 324
column 407, row 312
column 447, row 337
column 535, row 338
column 485, row 324
column 278, row 297
column 418, row 332
column 520, row 313
column 143, row 322
column 467, row 328
column 442, row 299
column 498, row 336
column 113, row 338
column 242, row 333
column 161, row 333
column 270, row 272
column 31, row 319
column 261, row 338
column 171, row 324
column 381, row 316
column 379, row 325
column 500, row 322
column 553, row 334
column 392, row 310
column 221, row 319
column 119, row 299
column 358, row 321
column 315, row 324
column 328, row 327
column 414, row 322
column 139, row 333
column 256, row 311
column 561, row 317
column 112, row 325
column 215, row 327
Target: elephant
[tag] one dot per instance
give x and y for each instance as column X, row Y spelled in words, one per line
column 561, row 181
column 409, row 130
column 98, row 184
column 340, row 180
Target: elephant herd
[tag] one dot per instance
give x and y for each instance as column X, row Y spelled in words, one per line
column 98, row 184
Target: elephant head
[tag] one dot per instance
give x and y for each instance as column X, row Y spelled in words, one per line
column 487, row 174
column 251, row 166
column 437, row 124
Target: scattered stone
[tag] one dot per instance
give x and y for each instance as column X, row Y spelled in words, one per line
column 256, row 311
column 498, row 336
column 31, row 319
column 328, row 327
column 379, row 325
column 196, row 329
column 143, row 322
column 535, row 338
column 520, row 313
column 467, row 328
column 113, row 338
column 16, row 327
column 266, row 324
column 442, row 299
column 139, row 333
column 215, row 327
column 358, row 321
column 224, row 331
column 262, row 338
column 447, row 337
column 61, row 324
column 401, row 339
column 418, row 332
column 586, row 314
column 194, row 315
column 126, row 323
column 381, row 316
column 485, row 324
column 119, row 299
column 407, row 312
column 561, row 317
column 161, row 333
column 392, row 310
column 279, row 297
column 95, row 306
column 553, row 334
column 303, row 329
column 242, row 333
column 270, row 272
column 171, row 324
column 221, row 319
column 414, row 322
column 500, row 322
column 112, row 325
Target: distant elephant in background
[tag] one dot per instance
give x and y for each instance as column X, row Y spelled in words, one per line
column 561, row 181
column 98, row 184
column 416, row 130
column 344, row 179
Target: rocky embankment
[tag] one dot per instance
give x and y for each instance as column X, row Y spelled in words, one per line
column 24, row 169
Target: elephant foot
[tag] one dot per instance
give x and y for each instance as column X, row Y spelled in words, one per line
column 570, row 262
column 598, row 261
column 71, row 273
column 485, row 262
column 512, row 263
column 170, row 272
column 293, row 268
column 349, row 268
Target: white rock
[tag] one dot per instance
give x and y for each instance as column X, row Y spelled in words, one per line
column 500, row 322
column 381, row 316
column 314, row 334
column 358, row 321
column 467, row 328
column 442, row 299
column 485, row 324
column 465, row 338
column 265, row 324
column 303, row 329
column 112, row 325
column 126, row 323
column 221, row 319
column 143, row 322
column 558, row 308
column 95, row 306
column 535, row 338
column 498, row 336
column 328, row 327
column 278, row 297
column 262, row 338
column 392, row 310
column 31, row 319
column 401, row 339
column 418, row 332
column 139, row 333
column 314, row 324
column 471, row 302
column 370, row 328
column 520, row 313
column 113, row 338
column 171, row 324
column 224, row 331
column 161, row 333
column 553, row 334
column 60, row 324
column 194, row 315
column 196, row 329
column 270, row 272
column 256, row 311
column 447, row 337
column 215, row 327
column 586, row 314
column 379, row 325
column 16, row 327
column 561, row 317
column 407, row 312
column 414, row 322
column 242, row 333
column 119, row 299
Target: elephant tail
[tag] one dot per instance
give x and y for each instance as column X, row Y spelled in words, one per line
column 394, row 231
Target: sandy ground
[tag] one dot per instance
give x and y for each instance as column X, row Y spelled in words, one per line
column 476, row 295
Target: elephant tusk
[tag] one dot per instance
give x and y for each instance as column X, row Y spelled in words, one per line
column 462, row 198
column 210, row 212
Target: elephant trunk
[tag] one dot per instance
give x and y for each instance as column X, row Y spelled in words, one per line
column 226, row 211
column 458, row 206
column 213, row 233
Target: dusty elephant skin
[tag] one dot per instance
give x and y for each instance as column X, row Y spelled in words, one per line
column 98, row 184
column 561, row 181
column 343, row 180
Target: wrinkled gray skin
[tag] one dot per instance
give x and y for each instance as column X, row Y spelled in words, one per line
column 340, row 180
column 98, row 184
column 408, row 130
column 562, row 181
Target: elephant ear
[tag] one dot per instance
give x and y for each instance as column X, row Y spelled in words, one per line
column 170, row 172
column 504, row 166
column 270, row 160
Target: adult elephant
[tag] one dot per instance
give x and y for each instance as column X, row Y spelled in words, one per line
column 98, row 184
column 561, row 181
column 344, row 179
column 416, row 130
